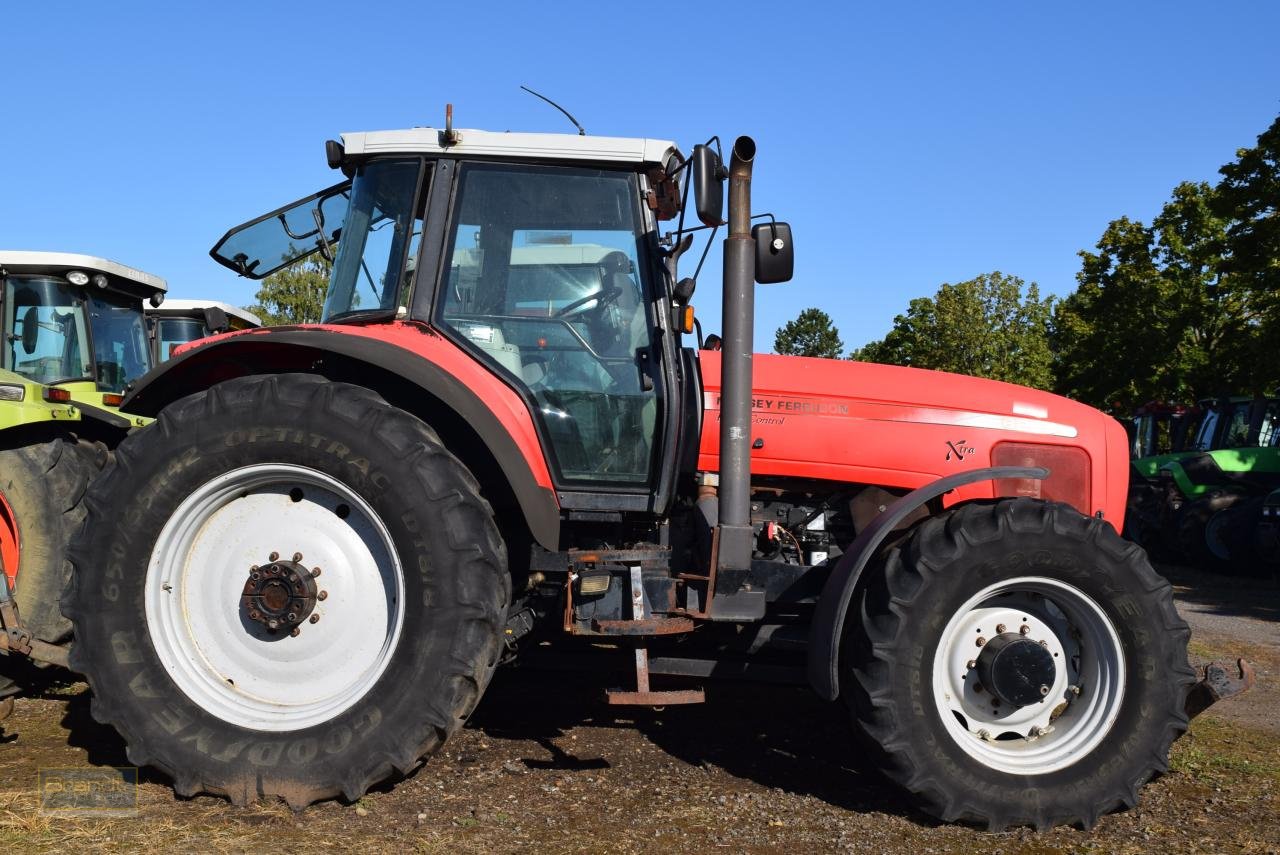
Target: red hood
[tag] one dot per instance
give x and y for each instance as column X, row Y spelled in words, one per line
column 903, row 427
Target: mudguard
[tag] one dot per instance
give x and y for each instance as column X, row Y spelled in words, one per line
column 828, row 621
column 386, row 357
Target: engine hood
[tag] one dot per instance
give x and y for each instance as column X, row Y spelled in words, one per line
column 900, row 427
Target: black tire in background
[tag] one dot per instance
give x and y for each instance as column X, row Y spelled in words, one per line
column 45, row 486
column 456, row 588
column 909, row 598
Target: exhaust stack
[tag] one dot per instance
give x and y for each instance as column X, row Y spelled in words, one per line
column 735, row 386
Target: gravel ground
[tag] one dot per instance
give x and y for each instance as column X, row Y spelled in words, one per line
column 545, row 765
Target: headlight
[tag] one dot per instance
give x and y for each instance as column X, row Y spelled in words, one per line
column 1069, row 477
column 78, row 277
column 12, row 393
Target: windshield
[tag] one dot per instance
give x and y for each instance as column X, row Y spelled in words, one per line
column 373, row 269
column 120, row 346
column 46, row 338
column 262, row 246
column 172, row 332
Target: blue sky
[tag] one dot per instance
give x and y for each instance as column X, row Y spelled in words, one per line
column 907, row 145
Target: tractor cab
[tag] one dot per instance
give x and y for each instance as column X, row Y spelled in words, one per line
column 542, row 256
column 178, row 322
column 75, row 322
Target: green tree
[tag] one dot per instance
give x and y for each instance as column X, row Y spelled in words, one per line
column 294, row 294
column 1158, row 315
column 1249, row 197
column 812, row 333
column 992, row 326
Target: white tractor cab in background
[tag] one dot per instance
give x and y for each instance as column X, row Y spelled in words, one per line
column 176, row 322
column 76, row 322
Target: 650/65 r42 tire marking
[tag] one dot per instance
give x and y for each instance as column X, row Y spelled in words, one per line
column 279, row 475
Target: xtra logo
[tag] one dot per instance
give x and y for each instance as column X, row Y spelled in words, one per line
column 959, row 449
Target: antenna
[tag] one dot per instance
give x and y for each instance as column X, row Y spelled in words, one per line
column 581, row 132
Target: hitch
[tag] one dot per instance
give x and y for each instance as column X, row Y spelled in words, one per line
column 15, row 639
column 1219, row 684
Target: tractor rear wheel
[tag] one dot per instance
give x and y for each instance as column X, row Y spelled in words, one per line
column 44, row 486
column 286, row 587
column 1017, row 663
column 1215, row 533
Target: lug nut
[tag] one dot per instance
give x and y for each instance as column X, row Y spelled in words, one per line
column 315, row 618
column 323, row 595
column 981, row 641
column 984, row 735
column 1000, row 628
column 274, row 556
column 1075, row 690
column 1024, row 629
column 297, row 556
column 971, row 664
column 1044, row 643
column 253, row 568
column 315, row 572
column 295, row 632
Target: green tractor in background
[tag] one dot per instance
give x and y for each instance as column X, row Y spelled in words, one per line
column 179, row 322
column 77, row 322
column 1202, row 504
column 74, row 337
column 44, row 471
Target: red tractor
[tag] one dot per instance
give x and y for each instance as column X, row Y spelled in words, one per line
column 299, row 580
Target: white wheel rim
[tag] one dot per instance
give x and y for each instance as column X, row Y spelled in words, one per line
column 232, row 667
column 1040, row 737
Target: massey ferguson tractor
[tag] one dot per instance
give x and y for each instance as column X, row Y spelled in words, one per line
column 299, row 579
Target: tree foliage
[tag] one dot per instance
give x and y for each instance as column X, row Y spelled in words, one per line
column 294, row 294
column 1160, row 315
column 992, row 326
column 1249, row 197
column 812, row 333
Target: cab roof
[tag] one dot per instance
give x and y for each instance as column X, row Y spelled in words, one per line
column 474, row 143
column 180, row 308
column 60, row 263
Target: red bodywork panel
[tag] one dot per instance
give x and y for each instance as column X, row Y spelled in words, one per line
column 844, row 421
column 507, row 406
column 850, row 422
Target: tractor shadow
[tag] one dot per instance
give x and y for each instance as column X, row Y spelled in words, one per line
column 780, row 737
column 1255, row 597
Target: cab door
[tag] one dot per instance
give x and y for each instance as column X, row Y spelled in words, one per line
column 547, row 276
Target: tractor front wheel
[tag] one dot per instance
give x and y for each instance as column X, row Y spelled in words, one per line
column 1017, row 663
column 286, row 587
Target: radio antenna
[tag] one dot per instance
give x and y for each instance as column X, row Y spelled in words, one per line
column 581, row 132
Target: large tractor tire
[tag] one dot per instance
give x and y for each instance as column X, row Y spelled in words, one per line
column 1215, row 532
column 286, row 587
column 1017, row 663
column 44, row 486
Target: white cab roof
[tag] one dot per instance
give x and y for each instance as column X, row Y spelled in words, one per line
column 472, row 143
column 29, row 261
column 186, row 308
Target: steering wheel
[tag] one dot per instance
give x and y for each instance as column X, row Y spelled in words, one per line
column 604, row 296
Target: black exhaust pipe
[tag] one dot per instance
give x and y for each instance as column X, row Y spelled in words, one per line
column 734, row 551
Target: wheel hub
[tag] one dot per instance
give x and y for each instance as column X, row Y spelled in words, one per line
column 280, row 595
column 1017, row 670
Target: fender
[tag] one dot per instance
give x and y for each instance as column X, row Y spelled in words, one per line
column 833, row 606
column 395, row 360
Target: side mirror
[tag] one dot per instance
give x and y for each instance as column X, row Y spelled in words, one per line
column 775, row 256
column 708, row 185
column 216, row 320
column 30, row 329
